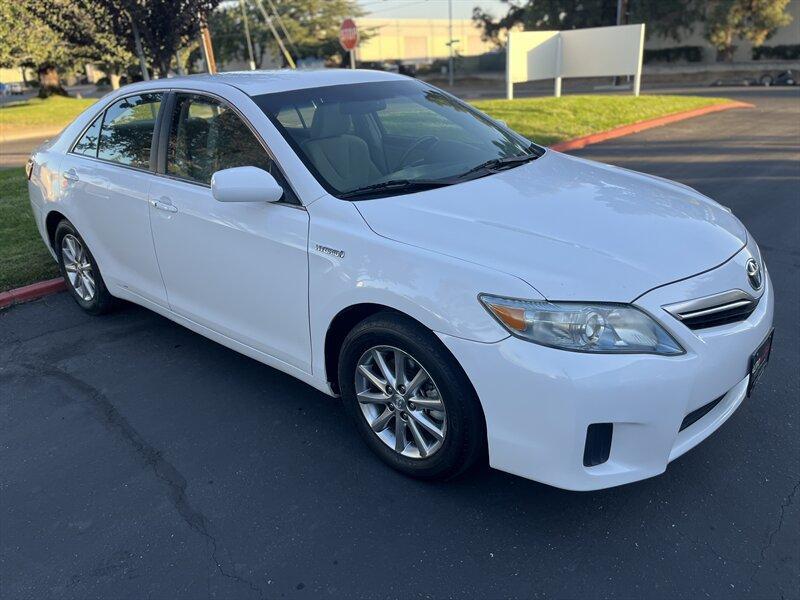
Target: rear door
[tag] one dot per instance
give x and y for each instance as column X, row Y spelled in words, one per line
column 106, row 178
column 240, row 269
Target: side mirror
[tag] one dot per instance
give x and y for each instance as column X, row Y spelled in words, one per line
column 245, row 184
column 502, row 124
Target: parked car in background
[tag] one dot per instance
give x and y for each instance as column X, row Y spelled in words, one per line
column 462, row 288
column 16, row 88
column 781, row 78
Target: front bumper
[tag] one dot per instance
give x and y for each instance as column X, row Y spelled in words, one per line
column 539, row 401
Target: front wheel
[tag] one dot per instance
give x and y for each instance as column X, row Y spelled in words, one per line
column 409, row 398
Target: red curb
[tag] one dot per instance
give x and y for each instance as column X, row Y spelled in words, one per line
column 31, row 292
column 586, row 140
column 51, row 286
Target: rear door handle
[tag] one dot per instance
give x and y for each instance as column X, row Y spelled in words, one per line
column 165, row 205
column 71, row 175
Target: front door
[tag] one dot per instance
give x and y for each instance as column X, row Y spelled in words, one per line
column 240, row 269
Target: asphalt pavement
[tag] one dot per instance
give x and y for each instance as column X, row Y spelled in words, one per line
column 139, row 460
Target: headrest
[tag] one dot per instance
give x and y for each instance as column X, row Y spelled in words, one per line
column 329, row 122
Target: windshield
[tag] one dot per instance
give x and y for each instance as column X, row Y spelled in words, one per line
column 372, row 139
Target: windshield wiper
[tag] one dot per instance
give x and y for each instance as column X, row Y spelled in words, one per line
column 499, row 164
column 396, row 185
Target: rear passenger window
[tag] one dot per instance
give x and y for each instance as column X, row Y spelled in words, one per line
column 87, row 145
column 127, row 132
column 207, row 136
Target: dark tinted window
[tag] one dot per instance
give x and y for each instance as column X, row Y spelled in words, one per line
column 127, row 133
column 207, row 136
column 88, row 143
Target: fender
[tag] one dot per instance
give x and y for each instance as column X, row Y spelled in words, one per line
column 350, row 264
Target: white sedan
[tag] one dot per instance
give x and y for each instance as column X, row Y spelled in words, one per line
column 465, row 291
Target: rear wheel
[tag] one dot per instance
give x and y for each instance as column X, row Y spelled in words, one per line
column 80, row 271
column 409, row 398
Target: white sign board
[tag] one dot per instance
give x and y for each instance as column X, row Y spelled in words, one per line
column 593, row 52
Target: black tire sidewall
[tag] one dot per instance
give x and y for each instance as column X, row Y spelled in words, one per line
column 465, row 437
column 101, row 302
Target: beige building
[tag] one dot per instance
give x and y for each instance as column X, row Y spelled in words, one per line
column 418, row 40
column 424, row 40
column 787, row 35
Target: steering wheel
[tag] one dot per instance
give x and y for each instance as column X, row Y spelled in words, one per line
column 426, row 142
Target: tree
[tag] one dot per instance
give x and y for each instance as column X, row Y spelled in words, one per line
column 664, row 17
column 106, row 31
column 752, row 20
column 27, row 42
column 312, row 25
column 164, row 25
column 87, row 27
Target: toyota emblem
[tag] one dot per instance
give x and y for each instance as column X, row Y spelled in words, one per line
column 754, row 273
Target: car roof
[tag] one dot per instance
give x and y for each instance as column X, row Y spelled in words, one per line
column 255, row 83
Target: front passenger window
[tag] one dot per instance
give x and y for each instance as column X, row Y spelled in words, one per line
column 207, row 136
column 127, row 133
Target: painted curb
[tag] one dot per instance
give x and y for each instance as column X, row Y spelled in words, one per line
column 32, row 292
column 594, row 138
column 51, row 286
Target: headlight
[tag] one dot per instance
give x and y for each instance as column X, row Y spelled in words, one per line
column 581, row 327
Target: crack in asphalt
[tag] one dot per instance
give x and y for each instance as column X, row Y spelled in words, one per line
column 784, row 505
column 787, row 502
column 151, row 456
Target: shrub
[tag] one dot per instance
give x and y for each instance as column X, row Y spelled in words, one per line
column 674, row 54
column 780, row 52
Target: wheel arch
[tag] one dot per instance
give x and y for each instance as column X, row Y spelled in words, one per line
column 341, row 324
column 51, row 222
column 350, row 316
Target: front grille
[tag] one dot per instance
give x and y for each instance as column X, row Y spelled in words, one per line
column 711, row 311
column 697, row 414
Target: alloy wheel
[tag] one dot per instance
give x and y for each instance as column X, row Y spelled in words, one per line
column 400, row 402
column 78, row 267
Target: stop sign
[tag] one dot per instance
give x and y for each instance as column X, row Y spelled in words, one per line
column 348, row 34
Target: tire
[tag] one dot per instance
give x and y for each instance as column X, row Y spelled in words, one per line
column 444, row 384
column 71, row 250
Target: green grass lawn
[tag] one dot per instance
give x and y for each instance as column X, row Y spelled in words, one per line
column 54, row 112
column 24, row 259
column 23, row 256
column 550, row 120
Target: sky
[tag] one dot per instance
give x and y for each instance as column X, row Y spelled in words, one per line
column 428, row 9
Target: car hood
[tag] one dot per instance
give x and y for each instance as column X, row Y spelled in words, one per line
column 571, row 228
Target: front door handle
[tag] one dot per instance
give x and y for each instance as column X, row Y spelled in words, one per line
column 165, row 205
column 71, row 175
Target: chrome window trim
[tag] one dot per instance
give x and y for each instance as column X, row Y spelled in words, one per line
column 101, row 114
column 149, row 171
column 252, row 129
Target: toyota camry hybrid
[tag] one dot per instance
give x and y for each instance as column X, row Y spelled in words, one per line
column 465, row 291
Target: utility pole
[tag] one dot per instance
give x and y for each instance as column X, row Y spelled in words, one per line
column 622, row 9
column 278, row 18
column 450, row 41
column 268, row 20
column 137, row 40
column 247, row 36
column 208, row 49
